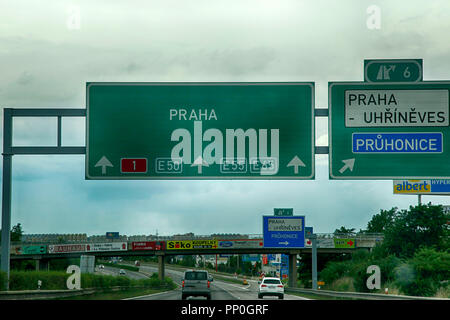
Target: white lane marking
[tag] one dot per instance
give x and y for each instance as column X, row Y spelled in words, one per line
column 236, row 297
column 149, row 295
column 234, row 285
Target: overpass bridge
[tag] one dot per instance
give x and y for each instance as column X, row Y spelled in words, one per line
column 42, row 253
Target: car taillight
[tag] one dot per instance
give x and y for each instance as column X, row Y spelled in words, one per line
column 263, row 285
column 182, row 283
column 208, row 284
column 280, row 286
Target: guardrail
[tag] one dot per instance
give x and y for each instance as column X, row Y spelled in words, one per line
column 359, row 295
column 43, row 294
column 55, row 294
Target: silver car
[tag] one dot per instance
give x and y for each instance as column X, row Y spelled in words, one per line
column 196, row 283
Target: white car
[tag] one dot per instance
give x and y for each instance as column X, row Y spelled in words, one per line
column 122, row 272
column 271, row 287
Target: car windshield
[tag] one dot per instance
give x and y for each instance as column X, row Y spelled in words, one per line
column 195, row 276
column 272, row 281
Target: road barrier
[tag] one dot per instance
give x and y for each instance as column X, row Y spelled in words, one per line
column 359, row 295
column 43, row 294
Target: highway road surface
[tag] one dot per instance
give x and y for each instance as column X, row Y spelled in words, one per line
column 220, row 290
column 115, row 272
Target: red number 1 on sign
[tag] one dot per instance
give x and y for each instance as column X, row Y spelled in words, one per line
column 129, row 165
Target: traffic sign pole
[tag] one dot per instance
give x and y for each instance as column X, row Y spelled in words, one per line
column 9, row 150
column 6, row 195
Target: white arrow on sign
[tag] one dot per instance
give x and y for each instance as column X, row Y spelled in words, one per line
column 296, row 162
column 348, row 164
column 285, row 243
column 104, row 162
column 199, row 162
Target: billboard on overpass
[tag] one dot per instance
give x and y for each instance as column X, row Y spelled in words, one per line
column 109, row 246
column 66, row 248
column 236, row 244
column 191, row 244
column 147, row 245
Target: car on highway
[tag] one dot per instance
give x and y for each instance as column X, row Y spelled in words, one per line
column 101, row 266
column 271, row 287
column 196, row 283
column 122, row 272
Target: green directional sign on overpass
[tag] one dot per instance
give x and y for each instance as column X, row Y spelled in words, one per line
column 200, row 130
column 393, row 70
column 389, row 130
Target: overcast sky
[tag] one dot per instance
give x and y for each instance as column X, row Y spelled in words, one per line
column 50, row 49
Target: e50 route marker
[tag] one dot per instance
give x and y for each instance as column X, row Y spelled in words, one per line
column 200, row 130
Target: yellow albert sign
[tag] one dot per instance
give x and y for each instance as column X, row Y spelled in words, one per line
column 191, row 244
column 412, row 186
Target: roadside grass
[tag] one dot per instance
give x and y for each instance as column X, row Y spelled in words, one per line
column 317, row 296
column 116, row 295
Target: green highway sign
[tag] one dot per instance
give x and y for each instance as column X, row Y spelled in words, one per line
column 393, row 70
column 389, row 130
column 344, row 243
column 200, row 130
column 283, row 211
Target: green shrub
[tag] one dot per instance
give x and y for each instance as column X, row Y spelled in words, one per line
column 443, row 293
column 3, row 280
column 334, row 270
column 28, row 280
column 54, row 280
column 387, row 266
column 343, row 284
column 356, row 268
column 430, row 263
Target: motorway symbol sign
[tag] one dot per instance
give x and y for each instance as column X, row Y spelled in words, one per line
column 200, row 130
column 430, row 187
column 389, row 130
column 284, row 232
column 393, row 70
column 283, row 211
